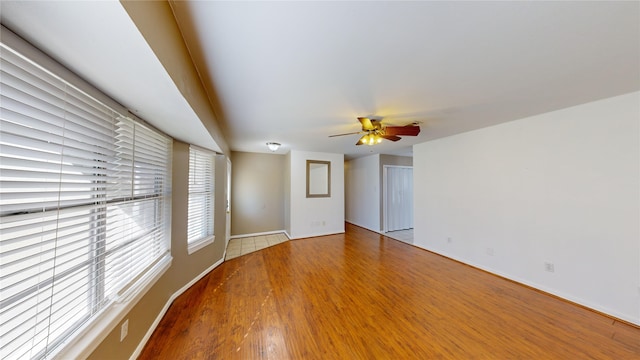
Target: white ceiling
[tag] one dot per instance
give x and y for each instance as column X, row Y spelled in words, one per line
column 297, row 72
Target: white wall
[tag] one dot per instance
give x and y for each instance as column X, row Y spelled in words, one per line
column 363, row 192
column 315, row 216
column 561, row 187
column 287, row 194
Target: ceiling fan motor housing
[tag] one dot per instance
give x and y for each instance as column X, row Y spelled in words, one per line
column 374, row 132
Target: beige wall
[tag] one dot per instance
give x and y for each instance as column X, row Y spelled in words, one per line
column 184, row 267
column 157, row 24
column 257, row 193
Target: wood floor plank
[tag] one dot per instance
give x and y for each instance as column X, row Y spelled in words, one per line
column 360, row 295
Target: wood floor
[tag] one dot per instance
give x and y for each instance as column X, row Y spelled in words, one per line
column 364, row 296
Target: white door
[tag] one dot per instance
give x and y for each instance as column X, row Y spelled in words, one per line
column 228, row 234
column 398, row 198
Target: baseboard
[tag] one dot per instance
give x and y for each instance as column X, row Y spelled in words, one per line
column 316, row 235
column 555, row 293
column 364, row 227
column 164, row 310
column 259, row 234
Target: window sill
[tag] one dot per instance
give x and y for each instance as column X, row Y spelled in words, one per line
column 81, row 345
column 197, row 245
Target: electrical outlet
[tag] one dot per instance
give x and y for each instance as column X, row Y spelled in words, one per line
column 449, row 240
column 124, row 330
column 548, row 266
column 490, row 251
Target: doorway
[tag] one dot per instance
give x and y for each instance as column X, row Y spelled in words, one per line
column 397, row 198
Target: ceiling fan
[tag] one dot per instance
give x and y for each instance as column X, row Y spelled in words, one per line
column 373, row 131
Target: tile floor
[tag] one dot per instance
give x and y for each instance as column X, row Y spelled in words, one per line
column 402, row 235
column 241, row 246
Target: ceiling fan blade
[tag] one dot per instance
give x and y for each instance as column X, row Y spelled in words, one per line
column 366, row 124
column 409, row 130
column 352, row 133
column 391, row 137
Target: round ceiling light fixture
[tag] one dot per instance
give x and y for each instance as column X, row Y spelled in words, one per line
column 273, row 146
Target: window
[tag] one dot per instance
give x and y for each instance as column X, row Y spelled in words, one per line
column 201, row 197
column 84, row 208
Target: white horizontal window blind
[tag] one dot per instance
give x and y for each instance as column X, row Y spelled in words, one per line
column 84, row 207
column 201, row 197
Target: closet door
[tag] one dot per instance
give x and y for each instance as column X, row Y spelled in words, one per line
column 399, row 212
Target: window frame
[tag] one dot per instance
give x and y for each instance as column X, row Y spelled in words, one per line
column 197, row 159
column 85, row 338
